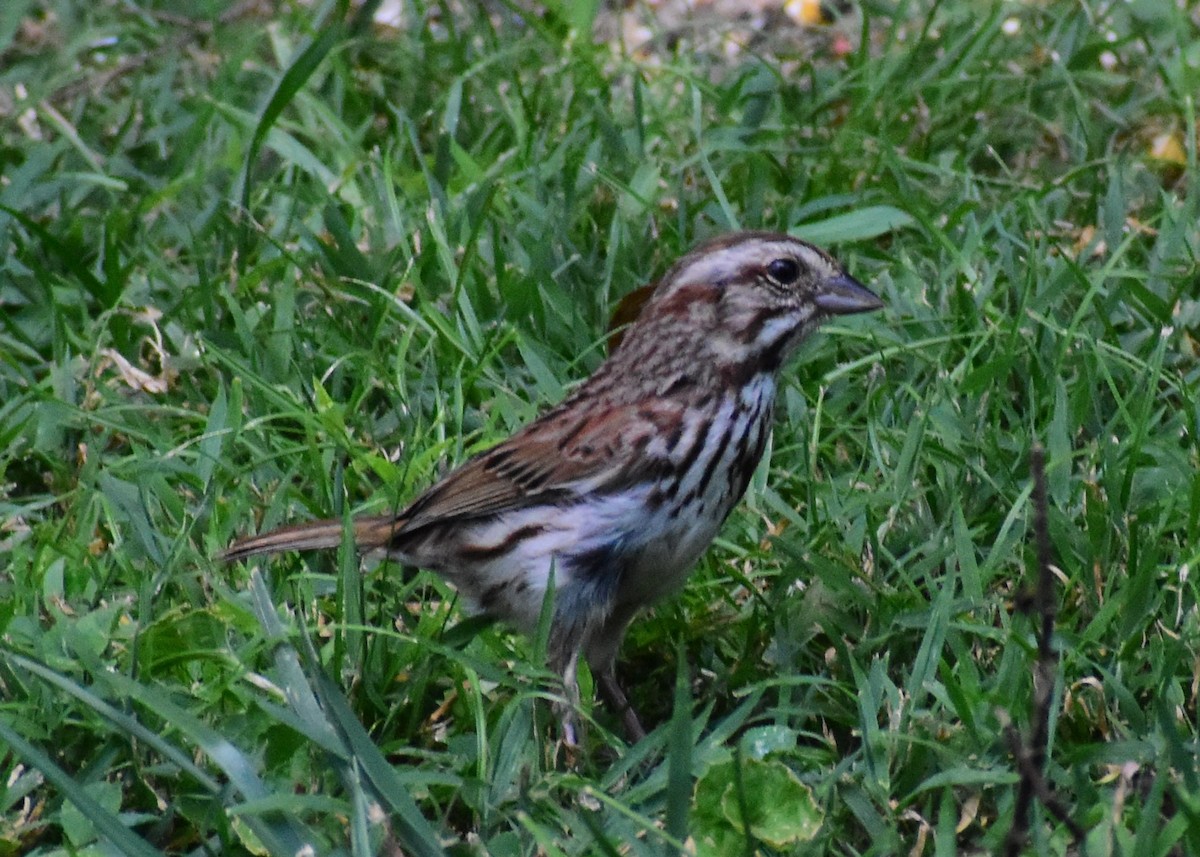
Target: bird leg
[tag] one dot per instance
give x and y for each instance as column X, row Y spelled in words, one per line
column 605, row 676
column 563, row 654
column 567, row 708
column 599, row 636
column 602, row 647
column 614, row 697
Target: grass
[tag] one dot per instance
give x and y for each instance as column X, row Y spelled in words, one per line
column 262, row 269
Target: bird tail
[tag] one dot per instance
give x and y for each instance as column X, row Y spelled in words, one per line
column 370, row 533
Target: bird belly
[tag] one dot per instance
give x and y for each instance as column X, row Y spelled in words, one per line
column 662, row 565
column 503, row 564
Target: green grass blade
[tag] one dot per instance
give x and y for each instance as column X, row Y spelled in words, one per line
column 106, row 822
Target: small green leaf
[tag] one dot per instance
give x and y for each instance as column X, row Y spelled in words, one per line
column 781, row 809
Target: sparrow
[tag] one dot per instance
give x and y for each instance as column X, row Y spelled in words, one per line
column 616, row 492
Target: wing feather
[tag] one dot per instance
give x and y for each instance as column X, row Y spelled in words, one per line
column 559, row 457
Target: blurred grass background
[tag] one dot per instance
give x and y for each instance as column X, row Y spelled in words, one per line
column 263, row 263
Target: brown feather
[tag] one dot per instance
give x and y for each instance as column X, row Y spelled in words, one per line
column 535, row 463
column 370, row 533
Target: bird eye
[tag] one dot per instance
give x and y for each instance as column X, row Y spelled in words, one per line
column 784, row 271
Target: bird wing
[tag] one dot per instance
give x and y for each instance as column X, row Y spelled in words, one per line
column 563, row 454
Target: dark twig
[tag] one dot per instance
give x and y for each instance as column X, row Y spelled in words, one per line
column 1031, row 756
column 1037, row 787
column 1045, row 608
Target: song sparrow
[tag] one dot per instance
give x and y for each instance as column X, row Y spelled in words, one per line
column 618, row 490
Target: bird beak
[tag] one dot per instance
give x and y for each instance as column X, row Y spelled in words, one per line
column 843, row 295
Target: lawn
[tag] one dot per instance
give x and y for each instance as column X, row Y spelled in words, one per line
column 267, row 263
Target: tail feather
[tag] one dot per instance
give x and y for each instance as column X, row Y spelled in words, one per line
column 370, row 533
